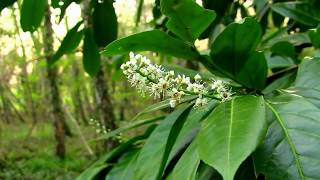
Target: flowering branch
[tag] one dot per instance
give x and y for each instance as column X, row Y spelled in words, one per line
column 151, row 78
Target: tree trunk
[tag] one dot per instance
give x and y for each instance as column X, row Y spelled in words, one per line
column 57, row 113
column 105, row 106
column 77, row 95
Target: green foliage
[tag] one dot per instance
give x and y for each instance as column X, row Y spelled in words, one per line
column 154, row 40
column 91, row 56
column 155, row 153
column 32, row 13
column 186, row 18
column 290, row 147
column 268, row 127
column 302, row 12
column 234, row 130
column 314, row 36
column 233, row 51
column 105, row 26
column 69, row 43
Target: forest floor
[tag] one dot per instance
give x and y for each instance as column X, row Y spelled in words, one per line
column 33, row 158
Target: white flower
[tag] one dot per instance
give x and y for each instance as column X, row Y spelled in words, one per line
column 152, row 78
column 197, row 78
column 200, row 102
column 155, row 90
column 176, row 95
column 225, row 96
column 173, row 103
column 216, row 84
column 131, row 55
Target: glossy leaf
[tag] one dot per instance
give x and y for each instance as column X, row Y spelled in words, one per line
column 233, row 53
column 281, row 83
column 117, row 171
column 307, row 83
column 187, row 166
column 69, row 43
column 156, row 41
column 105, row 25
column 314, row 36
column 254, row 72
column 129, row 126
column 186, row 18
column 104, row 160
column 190, row 128
column 92, row 172
column 32, row 12
column 6, row 3
column 302, row 12
column 91, row 56
column 291, row 147
column 283, row 48
column 162, row 105
column 156, row 150
column 231, row 133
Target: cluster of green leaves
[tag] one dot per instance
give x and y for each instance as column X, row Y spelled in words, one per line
column 270, row 130
column 101, row 32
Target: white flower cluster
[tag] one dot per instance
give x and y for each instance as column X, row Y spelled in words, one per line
column 155, row 80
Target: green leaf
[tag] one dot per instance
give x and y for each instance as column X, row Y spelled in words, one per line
column 92, row 172
column 162, row 105
column 32, row 12
column 206, row 172
column 190, row 129
column 111, row 156
column 6, row 3
column 233, row 53
column 283, row 48
column 69, row 43
column 254, row 72
column 153, row 156
column 307, row 82
column 231, row 133
column 276, row 61
column 314, row 35
column 117, row 172
column 105, row 25
column 156, row 41
column 186, row 18
column 291, row 147
column 296, row 39
column 129, row 126
column 91, row 56
column 187, row 165
column 280, row 83
column 302, row 12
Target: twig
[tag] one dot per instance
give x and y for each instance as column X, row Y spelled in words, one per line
column 85, row 143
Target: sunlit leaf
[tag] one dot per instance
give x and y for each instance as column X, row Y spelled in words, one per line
column 69, row 43
column 186, row 18
column 231, row 133
column 290, row 150
column 155, row 152
column 91, row 56
column 32, row 13
column 156, row 41
column 104, row 21
column 302, row 12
